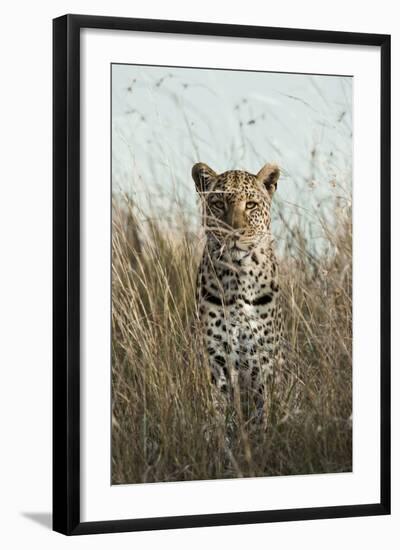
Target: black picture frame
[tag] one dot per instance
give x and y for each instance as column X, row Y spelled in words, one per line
column 66, row 273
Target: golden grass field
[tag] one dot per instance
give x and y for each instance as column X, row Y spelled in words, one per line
column 164, row 424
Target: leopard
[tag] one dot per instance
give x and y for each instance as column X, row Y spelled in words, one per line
column 237, row 292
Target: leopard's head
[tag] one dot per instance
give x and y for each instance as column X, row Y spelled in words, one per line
column 236, row 206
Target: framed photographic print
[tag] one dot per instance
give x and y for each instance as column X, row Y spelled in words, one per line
column 221, row 274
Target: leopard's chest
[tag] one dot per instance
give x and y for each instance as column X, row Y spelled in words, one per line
column 244, row 287
column 238, row 306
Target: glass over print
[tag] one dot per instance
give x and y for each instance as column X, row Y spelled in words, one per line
column 232, row 274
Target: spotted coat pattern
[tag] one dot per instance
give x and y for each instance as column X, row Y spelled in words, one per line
column 238, row 288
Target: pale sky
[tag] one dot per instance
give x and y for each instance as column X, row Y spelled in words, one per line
column 166, row 119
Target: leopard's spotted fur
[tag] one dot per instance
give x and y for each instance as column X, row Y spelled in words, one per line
column 238, row 288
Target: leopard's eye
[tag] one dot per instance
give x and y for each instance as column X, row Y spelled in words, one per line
column 219, row 204
column 250, row 205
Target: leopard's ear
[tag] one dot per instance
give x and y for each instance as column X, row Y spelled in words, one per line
column 203, row 177
column 268, row 176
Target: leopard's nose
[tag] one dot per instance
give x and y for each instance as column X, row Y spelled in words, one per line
column 235, row 217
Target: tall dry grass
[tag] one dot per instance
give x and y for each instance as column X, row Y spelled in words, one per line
column 164, row 424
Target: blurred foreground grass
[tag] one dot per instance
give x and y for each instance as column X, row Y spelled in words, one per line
column 164, row 426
